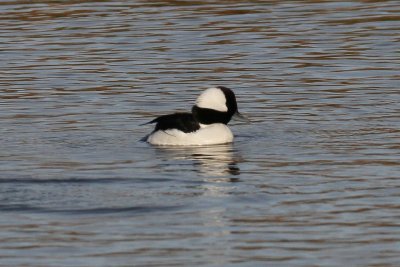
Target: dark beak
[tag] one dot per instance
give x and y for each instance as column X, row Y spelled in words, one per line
column 239, row 117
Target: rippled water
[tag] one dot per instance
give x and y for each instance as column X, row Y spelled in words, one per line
column 313, row 181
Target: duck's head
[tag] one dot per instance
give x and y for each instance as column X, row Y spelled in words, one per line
column 215, row 105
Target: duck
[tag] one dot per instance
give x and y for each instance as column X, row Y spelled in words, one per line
column 206, row 124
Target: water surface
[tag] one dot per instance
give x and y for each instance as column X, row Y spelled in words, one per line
column 313, row 181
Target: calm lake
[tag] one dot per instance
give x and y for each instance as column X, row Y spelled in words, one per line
column 314, row 180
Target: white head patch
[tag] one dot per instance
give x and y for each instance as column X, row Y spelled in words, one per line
column 212, row 98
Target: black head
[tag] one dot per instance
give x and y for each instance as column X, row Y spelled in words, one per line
column 215, row 105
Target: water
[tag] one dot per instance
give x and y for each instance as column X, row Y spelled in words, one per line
column 313, row 181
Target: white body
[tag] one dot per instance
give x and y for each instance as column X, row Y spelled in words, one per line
column 216, row 133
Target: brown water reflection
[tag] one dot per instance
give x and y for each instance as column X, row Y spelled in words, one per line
column 313, row 181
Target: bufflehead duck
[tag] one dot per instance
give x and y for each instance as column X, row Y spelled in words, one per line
column 206, row 125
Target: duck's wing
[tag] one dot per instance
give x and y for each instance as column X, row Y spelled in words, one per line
column 184, row 122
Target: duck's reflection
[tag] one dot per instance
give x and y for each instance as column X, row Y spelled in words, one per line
column 216, row 160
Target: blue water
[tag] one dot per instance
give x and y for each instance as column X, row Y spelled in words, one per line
column 312, row 181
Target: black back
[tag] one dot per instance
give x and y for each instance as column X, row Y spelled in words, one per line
column 184, row 122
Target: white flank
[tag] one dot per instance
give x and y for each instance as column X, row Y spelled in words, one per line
column 216, row 133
